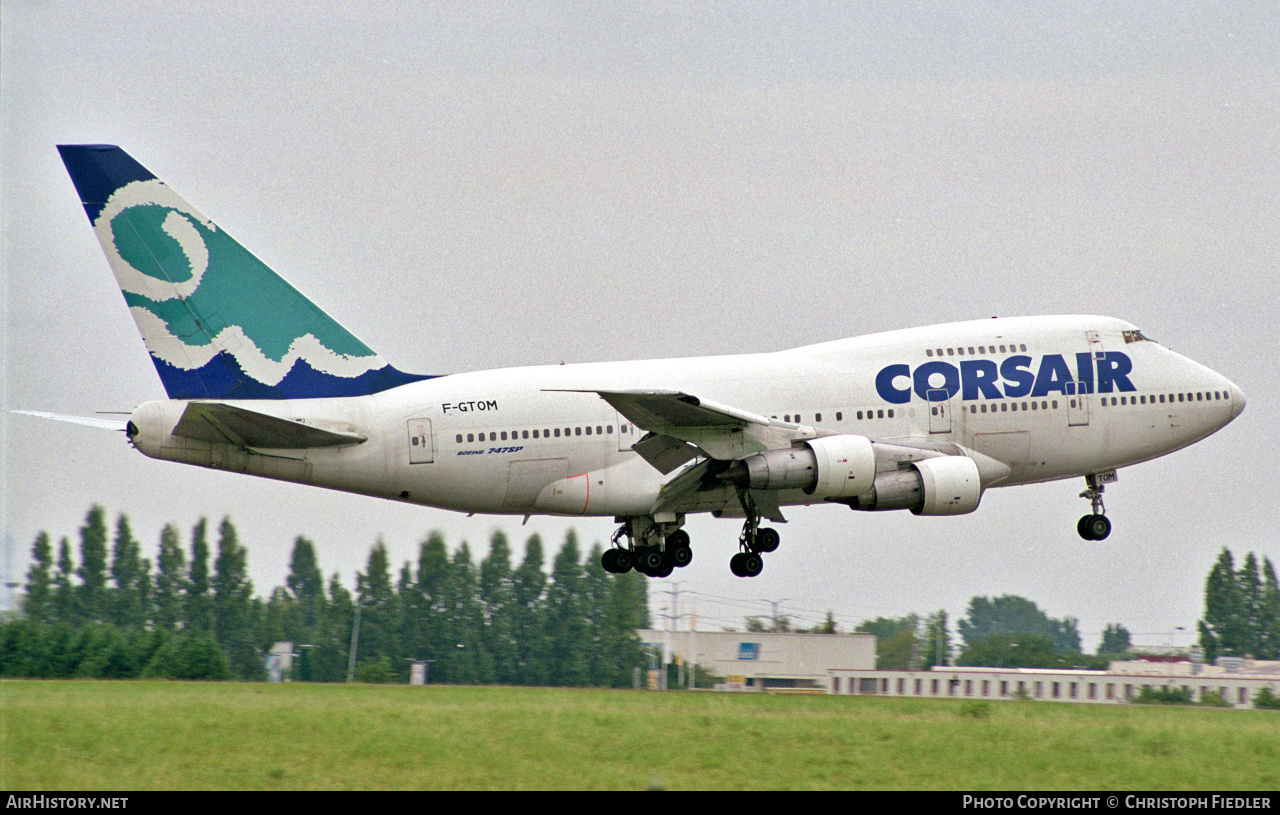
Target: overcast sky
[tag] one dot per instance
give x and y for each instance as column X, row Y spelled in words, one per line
column 479, row 185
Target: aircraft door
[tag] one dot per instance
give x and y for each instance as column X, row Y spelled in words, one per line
column 1077, row 395
column 939, row 411
column 421, row 447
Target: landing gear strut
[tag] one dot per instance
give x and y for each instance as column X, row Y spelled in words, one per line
column 1094, row 527
column 752, row 541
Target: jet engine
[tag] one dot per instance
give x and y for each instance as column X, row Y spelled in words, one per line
column 942, row 485
column 827, row 467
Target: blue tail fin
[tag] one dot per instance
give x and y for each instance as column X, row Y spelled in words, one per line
column 218, row 322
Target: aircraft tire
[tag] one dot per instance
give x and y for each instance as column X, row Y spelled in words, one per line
column 609, row 561
column 767, row 539
column 622, row 561
column 1082, row 527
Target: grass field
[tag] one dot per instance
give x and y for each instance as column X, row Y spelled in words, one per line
column 79, row 735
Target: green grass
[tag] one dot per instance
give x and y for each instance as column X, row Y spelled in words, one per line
column 76, row 735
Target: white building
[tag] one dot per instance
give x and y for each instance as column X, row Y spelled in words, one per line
column 1121, row 682
column 758, row 661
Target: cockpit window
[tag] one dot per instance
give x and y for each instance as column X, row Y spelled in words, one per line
column 1136, row 336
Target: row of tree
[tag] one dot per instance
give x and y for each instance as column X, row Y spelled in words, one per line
column 188, row 617
column 1241, row 619
column 1241, row 609
column 1007, row 631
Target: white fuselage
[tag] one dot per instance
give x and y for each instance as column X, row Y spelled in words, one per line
column 1047, row 397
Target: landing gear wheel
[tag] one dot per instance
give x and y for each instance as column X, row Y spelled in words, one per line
column 1094, row 527
column 746, row 564
column 623, row 561
column 767, row 539
column 654, row 563
column 679, row 553
column 608, row 561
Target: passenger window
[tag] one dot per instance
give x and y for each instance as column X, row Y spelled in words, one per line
column 608, row 429
column 577, row 431
column 839, row 416
column 890, row 413
column 928, row 352
column 588, row 430
column 880, row 414
column 470, row 437
column 459, row 438
column 557, row 432
column 817, row 417
column 535, row 434
column 504, row 435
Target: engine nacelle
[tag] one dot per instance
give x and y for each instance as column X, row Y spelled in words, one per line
column 941, row 485
column 827, row 467
column 951, row 485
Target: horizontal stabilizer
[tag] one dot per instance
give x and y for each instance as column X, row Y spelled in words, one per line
column 227, row 424
column 90, row 421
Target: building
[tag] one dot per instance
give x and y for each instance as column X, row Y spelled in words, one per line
column 1122, row 682
column 760, row 660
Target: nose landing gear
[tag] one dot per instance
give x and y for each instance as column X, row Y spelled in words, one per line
column 1095, row 527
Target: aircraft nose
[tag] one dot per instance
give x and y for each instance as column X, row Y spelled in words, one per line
column 1237, row 400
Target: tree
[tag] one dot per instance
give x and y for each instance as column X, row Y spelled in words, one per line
column 37, row 603
column 1018, row 615
column 64, row 594
column 91, row 594
column 170, row 581
column 1115, row 640
column 498, row 597
column 530, row 583
column 129, row 601
column 306, row 583
column 233, row 610
column 897, row 646
column 199, row 603
column 567, row 634
column 379, row 606
column 937, row 640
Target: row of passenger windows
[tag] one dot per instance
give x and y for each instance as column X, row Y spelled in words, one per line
column 1201, row 396
column 794, row 418
column 1007, row 348
column 555, row 432
column 1005, row 407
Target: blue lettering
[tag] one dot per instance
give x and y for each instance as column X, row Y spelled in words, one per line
column 983, row 379
column 1084, row 372
column 979, row 376
column 1017, row 376
column 884, row 384
column 1113, row 371
column 1054, row 375
column 950, row 381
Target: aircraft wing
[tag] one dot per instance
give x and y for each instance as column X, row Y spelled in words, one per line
column 718, row 431
column 222, row 423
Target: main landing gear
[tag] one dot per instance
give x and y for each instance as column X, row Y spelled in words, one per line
column 753, row 542
column 1094, row 527
column 651, row 548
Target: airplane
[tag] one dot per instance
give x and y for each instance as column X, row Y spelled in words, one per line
column 261, row 381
